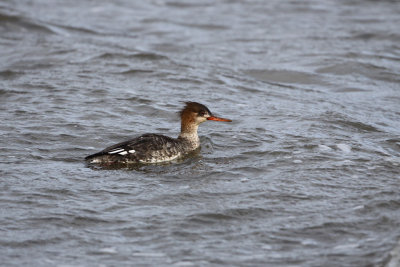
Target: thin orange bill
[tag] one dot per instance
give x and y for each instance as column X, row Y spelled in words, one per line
column 212, row 118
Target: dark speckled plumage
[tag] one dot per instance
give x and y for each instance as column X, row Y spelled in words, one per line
column 148, row 148
column 154, row 148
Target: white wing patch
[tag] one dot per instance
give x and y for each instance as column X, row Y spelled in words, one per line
column 116, row 151
column 121, row 151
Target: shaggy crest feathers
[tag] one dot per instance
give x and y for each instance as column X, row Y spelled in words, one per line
column 194, row 107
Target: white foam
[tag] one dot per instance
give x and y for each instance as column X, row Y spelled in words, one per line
column 266, row 247
column 358, row 207
column 309, row 242
column 344, row 147
column 148, row 254
column 324, row 148
column 184, row 263
column 346, row 246
column 393, row 160
column 110, row 250
column 394, row 257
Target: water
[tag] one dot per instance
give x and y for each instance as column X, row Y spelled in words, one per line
column 307, row 174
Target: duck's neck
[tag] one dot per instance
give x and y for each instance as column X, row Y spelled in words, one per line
column 189, row 133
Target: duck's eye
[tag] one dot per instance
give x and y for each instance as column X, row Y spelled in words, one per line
column 202, row 113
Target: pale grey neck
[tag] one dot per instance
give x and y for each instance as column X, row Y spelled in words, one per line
column 190, row 135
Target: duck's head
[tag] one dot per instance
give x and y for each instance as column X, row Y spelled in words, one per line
column 196, row 113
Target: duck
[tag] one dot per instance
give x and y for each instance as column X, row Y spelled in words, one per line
column 153, row 148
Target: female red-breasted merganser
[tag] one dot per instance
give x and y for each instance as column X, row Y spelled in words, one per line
column 154, row 148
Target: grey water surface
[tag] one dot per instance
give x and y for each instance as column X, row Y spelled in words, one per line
column 307, row 174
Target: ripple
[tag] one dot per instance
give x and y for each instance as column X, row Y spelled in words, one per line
column 10, row 75
column 213, row 27
column 228, row 215
column 141, row 56
column 368, row 70
column 132, row 72
column 24, row 23
column 351, row 90
column 348, row 123
column 32, row 242
column 285, row 76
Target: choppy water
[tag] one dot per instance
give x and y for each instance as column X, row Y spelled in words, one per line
column 306, row 175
